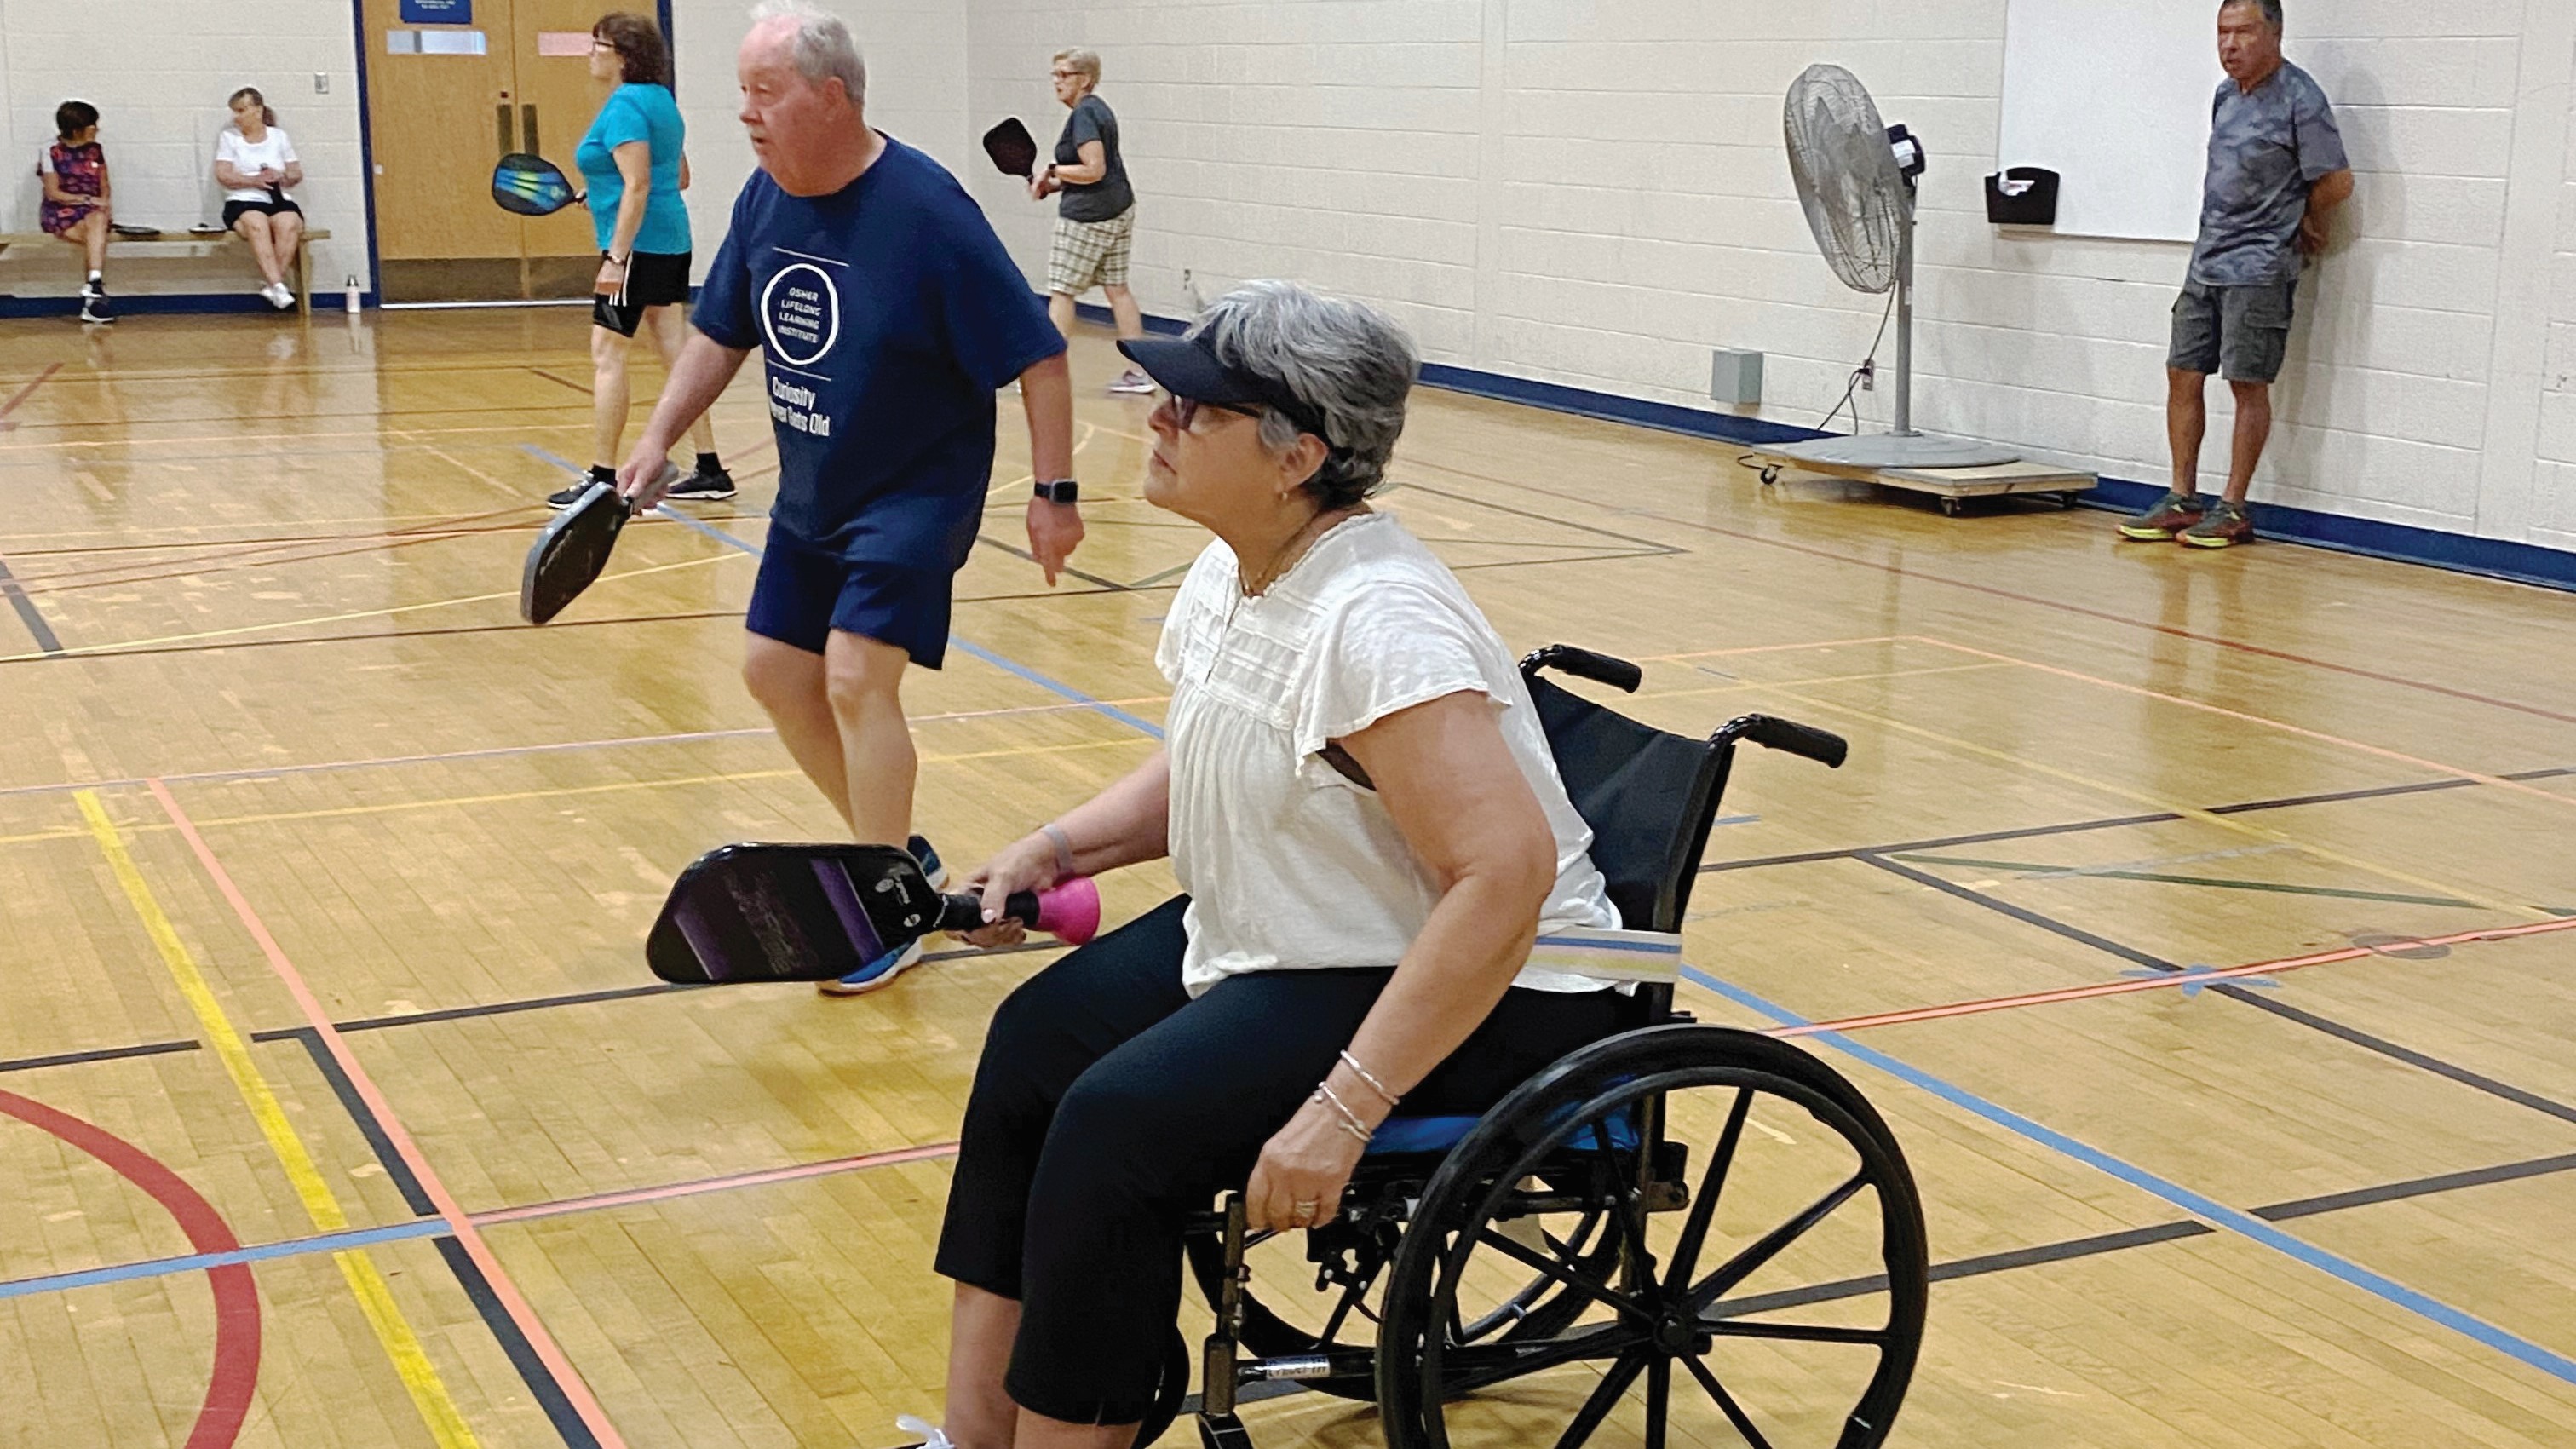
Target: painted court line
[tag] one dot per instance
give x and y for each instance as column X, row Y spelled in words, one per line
column 401, row 1343
column 28, row 614
column 541, row 1342
column 2208, row 1210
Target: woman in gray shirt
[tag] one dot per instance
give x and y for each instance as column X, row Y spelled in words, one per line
column 1095, row 223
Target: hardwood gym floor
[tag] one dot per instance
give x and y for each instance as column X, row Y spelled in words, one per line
column 2192, row 918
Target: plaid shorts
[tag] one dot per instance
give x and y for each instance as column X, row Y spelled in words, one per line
column 1090, row 254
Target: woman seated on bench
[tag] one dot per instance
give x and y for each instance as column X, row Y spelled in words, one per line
column 255, row 163
column 1358, row 797
column 73, row 171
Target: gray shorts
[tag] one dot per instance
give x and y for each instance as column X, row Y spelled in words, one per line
column 2242, row 331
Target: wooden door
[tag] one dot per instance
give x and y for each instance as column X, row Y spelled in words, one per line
column 551, row 43
column 439, row 114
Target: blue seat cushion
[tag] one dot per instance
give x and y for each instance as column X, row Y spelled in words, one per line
column 1400, row 1135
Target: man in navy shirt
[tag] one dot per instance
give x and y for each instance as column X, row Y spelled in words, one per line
column 2276, row 168
column 888, row 314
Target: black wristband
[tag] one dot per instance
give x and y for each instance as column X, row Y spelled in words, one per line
column 1063, row 490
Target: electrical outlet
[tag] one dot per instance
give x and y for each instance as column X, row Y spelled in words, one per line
column 1869, row 377
column 321, row 83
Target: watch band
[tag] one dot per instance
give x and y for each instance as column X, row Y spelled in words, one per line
column 1062, row 490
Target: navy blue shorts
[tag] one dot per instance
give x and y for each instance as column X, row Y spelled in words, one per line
column 804, row 593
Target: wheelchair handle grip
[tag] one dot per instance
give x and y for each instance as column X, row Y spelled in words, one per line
column 1773, row 733
column 1619, row 674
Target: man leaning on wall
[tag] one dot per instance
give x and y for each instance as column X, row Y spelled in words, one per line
column 2276, row 171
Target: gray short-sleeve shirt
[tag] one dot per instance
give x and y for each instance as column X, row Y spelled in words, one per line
column 1108, row 197
column 2267, row 146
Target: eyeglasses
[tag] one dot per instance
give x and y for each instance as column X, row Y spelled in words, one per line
column 1065, row 74
column 1185, row 409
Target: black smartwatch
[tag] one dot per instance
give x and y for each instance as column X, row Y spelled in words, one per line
column 1063, row 490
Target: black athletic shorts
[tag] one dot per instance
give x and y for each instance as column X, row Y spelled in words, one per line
column 653, row 279
column 233, row 210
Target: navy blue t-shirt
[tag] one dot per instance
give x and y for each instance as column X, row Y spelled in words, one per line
column 888, row 315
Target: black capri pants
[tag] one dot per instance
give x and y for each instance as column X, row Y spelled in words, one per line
column 1109, row 1105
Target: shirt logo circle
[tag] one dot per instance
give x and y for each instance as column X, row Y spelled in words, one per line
column 800, row 314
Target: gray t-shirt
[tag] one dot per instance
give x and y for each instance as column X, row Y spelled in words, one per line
column 2267, row 146
column 1110, row 195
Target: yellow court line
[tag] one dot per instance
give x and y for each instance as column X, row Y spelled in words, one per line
column 124, row 645
column 2187, row 812
column 420, row 1378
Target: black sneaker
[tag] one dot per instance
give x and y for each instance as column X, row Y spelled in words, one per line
column 571, row 493
column 94, row 308
column 702, row 486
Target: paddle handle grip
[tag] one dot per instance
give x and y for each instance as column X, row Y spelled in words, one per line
column 1068, row 910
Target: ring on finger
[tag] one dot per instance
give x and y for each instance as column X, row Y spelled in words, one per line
column 1303, row 1211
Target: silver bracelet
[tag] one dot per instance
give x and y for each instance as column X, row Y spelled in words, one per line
column 1365, row 1075
column 1063, row 844
column 1351, row 1122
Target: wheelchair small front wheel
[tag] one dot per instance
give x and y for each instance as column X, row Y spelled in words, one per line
column 1770, row 1274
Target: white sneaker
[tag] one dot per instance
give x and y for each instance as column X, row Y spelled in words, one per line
column 278, row 296
column 1132, row 381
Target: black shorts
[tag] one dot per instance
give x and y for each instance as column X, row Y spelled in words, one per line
column 2242, row 331
column 653, row 279
column 234, row 210
column 804, row 593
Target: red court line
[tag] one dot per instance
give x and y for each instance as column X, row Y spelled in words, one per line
column 696, row 1186
column 2164, row 983
column 575, row 1390
column 236, row 1370
column 21, row 395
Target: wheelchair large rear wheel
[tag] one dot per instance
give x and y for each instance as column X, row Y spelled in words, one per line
column 1768, row 1275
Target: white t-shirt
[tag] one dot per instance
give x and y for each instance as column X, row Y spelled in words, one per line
column 272, row 150
column 1290, row 865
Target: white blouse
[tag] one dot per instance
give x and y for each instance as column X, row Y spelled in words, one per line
column 272, row 150
column 1289, row 864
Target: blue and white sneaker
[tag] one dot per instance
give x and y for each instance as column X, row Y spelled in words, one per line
column 887, row 967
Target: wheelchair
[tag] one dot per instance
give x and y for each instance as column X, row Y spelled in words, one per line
column 1565, row 1250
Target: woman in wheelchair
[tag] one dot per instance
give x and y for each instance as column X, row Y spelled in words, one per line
column 1360, row 803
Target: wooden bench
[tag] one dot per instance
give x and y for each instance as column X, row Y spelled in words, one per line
column 174, row 243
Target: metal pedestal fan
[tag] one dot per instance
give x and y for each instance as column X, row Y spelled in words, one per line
column 1856, row 180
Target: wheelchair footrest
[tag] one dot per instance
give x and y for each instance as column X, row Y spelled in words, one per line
column 1223, row 1431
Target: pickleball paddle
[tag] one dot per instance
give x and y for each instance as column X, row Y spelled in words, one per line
column 530, row 185
column 570, row 552
column 746, row 913
column 1012, row 148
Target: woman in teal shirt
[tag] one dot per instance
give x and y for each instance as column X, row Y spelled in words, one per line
column 633, row 171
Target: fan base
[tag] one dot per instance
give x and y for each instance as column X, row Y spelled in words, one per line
column 1897, row 450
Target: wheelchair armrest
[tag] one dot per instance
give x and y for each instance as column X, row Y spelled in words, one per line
column 1619, row 674
column 1823, row 746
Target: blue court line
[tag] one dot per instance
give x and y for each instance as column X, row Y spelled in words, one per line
column 196, row 1262
column 2214, row 1213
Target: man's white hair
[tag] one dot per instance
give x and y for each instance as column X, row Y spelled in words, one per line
column 823, row 46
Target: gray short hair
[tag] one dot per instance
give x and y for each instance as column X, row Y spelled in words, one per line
column 1345, row 362
column 1080, row 61
column 2271, row 10
column 823, row 47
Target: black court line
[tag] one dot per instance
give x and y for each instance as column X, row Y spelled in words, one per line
column 2115, row 822
column 1655, row 546
column 586, row 998
column 1068, row 570
column 103, row 1054
column 414, row 1196
column 522, row 1354
column 2423, row 1061
column 28, row 613
column 478, row 1289
column 2098, row 1244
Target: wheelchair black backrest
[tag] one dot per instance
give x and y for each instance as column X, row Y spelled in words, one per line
column 1649, row 796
